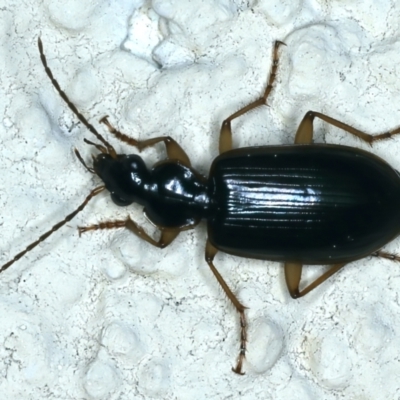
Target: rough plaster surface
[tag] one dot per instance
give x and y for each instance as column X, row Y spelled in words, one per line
column 106, row 316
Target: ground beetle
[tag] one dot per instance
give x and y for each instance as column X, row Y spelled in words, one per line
column 298, row 204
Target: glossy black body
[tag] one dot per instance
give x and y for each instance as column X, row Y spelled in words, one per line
column 173, row 195
column 313, row 204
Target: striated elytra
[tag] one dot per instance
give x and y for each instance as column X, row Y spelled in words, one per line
column 311, row 204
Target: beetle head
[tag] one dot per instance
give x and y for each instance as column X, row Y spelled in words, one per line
column 124, row 177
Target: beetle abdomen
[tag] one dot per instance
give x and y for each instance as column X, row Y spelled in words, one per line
column 305, row 203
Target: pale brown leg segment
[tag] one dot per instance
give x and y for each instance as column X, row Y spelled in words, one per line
column 384, row 254
column 293, row 274
column 304, row 134
column 225, row 138
column 293, row 277
column 174, row 150
column 166, row 238
column 210, row 253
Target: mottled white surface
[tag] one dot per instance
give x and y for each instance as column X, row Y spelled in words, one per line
column 106, row 316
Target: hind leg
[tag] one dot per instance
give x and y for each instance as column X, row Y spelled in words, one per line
column 305, row 131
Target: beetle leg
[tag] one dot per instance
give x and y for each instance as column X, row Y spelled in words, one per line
column 384, row 254
column 225, row 137
column 293, row 276
column 174, row 150
column 211, row 251
column 167, row 235
column 304, row 134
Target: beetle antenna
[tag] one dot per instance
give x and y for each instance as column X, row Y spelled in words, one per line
column 56, row 227
column 72, row 107
column 91, row 170
column 99, row 147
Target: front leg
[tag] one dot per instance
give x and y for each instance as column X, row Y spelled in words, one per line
column 174, row 150
column 166, row 237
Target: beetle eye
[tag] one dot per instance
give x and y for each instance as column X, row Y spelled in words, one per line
column 120, row 202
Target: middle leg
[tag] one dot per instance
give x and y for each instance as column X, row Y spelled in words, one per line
column 211, row 251
column 225, row 137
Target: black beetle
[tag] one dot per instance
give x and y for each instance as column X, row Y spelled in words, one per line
column 300, row 204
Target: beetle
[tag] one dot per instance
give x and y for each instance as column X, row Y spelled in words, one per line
column 297, row 204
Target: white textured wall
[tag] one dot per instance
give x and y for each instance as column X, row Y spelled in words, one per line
column 107, row 316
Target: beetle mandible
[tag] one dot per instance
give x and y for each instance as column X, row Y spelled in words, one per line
column 297, row 204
